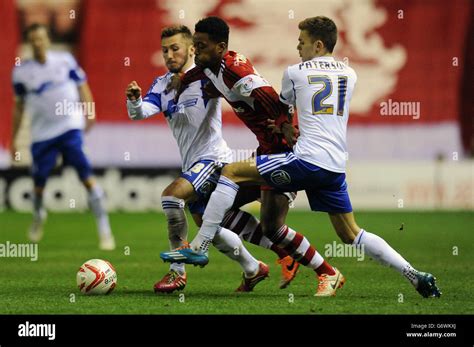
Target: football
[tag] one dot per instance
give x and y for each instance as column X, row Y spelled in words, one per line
column 96, row 276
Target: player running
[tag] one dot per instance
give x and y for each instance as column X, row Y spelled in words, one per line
column 41, row 84
column 195, row 120
column 320, row 88
column 255, row 102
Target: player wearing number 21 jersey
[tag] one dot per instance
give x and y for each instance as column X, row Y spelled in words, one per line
column 328, row 85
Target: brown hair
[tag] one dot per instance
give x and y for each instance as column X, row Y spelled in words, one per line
column 176, row 29
column 34, row 27
column 321, row 28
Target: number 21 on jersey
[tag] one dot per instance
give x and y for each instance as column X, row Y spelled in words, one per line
column 318, row 104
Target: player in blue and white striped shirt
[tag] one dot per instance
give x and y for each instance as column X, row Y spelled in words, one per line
column 53, row 90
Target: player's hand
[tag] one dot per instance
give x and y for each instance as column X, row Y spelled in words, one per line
column 273, row 127
column 290, row 132
column 89, row 124
column 133, row 91
column 211, row 91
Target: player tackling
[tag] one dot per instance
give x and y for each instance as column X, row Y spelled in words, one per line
column 195, row 120
column 256, row 103
column 320, row 88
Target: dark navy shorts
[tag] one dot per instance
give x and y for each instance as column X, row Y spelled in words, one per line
column 326, row 190
column 45, row 153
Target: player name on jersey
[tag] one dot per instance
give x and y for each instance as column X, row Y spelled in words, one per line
column 322, row 65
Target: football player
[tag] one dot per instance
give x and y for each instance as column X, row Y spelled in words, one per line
column 42, row 84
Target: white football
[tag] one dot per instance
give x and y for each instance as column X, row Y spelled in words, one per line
column 96, row 276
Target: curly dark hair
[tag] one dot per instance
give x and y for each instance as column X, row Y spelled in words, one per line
column 215, row 27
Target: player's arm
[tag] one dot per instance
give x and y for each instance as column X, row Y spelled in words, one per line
column 139, row 108
column 280, row 119
column 20, row 92
column 287, row 102
column 86, row 97
column 179, row 82
column 242, row 79
column 77, row 74
column 18, row 110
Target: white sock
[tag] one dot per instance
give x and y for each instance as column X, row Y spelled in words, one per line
column 173, row 209
column 378, row 249
column 220, row 202
column 96, row 195
column 178, row 267
column 37, row 205
column 231, row 245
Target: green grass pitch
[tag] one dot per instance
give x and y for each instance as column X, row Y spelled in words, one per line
column 437, row 242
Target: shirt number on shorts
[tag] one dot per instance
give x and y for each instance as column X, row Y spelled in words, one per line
column 319, row 107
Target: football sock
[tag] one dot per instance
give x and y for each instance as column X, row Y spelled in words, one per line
column 37, row 204
column 249, row 229
column 220, row 202
column 280, row 252
column 178, row 267
column 325, row 268
column 231, row 245
column 177, row 226
column 378, row 249
column 96, row 195
column 299, row 248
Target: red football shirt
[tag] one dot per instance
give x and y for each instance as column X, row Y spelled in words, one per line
column 252, row 98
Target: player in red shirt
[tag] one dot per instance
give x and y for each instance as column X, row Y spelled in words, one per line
column 256, row 103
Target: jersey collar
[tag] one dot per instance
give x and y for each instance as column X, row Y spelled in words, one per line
column 324, row 58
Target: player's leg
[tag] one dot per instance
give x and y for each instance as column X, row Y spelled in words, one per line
column 225, row 241
column 194, row 184
column 274, row 210
column 378, row 249
column 96, row 197
column 173, row 200
column 73, row 154
column 228, row 243
column 284, row 172
column 254, row 271
column 222, row 199
column 248, row 228
column 201, row 179
column 44, row 156
column 246, row 225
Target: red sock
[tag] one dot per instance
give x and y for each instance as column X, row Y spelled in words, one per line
column 279, row 251
column 325, row 268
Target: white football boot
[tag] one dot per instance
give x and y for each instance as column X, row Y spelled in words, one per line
column 35, row 233
column 107, row 242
